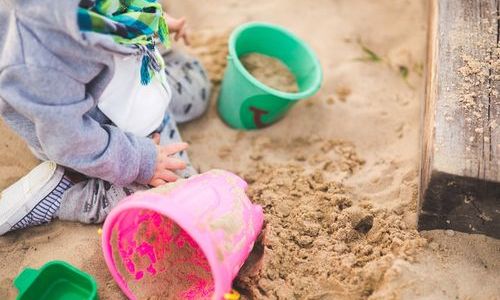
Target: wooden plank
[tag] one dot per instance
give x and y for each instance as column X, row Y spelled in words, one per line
column 460, row 166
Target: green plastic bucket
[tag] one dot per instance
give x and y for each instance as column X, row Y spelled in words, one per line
column 247, row 103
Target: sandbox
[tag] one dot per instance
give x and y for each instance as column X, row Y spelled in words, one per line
column 337, row 177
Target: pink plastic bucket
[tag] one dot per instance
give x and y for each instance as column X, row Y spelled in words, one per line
column 189, row 239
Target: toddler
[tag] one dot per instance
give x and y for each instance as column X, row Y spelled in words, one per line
column 86, row 84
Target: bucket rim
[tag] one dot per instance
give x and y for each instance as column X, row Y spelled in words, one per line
column 311, row 90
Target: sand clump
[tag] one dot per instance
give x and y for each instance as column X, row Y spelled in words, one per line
column 319, row 244
column 322, row 240
column 270, row 71
column 343, row 92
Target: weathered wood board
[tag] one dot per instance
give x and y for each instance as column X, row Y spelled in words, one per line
column 460, row 167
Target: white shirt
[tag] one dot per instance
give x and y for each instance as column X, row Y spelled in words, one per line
column 134, row 107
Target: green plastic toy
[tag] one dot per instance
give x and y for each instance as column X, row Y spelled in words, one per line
column 56, row 280
column 247, row 103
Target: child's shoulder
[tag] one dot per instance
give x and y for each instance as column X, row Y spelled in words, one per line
column 36, row 32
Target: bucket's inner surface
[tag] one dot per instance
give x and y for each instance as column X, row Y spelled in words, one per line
column 270, row 71
column 157, row 259
column 289, row 50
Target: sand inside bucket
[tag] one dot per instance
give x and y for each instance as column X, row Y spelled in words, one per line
column 159, row 260
column 270, row 71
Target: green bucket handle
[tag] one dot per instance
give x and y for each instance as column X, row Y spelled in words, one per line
column 24, row 280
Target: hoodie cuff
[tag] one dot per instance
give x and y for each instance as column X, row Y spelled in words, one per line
column 148, row 161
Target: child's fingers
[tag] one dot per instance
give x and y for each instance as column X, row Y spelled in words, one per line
column 181, row 23
column 185, row 36
column 175, row 24
column 173, row 148
column 167, row 176
column 157, row 182
column 172, row 163
column 182, row 34
column 156, row 138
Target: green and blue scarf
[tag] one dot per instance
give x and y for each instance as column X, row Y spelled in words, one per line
column 135, row 23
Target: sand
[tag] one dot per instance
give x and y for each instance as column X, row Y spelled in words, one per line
column 338, row 160
column 319, row 244
column 270, row 71
column 161, row 261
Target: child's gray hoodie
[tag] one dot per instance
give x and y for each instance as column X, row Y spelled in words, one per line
column 51, row 78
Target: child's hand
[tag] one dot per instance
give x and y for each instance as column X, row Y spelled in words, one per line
column 178, row 27
column 166, row 164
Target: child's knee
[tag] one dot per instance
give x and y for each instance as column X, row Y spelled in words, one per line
column 203, row 86
column 190, row 85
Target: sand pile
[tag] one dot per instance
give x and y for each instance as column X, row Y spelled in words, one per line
column 270, row 71
column 318, row 243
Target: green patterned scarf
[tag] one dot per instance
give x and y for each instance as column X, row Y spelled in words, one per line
column 135, row 23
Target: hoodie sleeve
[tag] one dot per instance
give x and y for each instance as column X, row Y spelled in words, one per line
column 58, row 106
